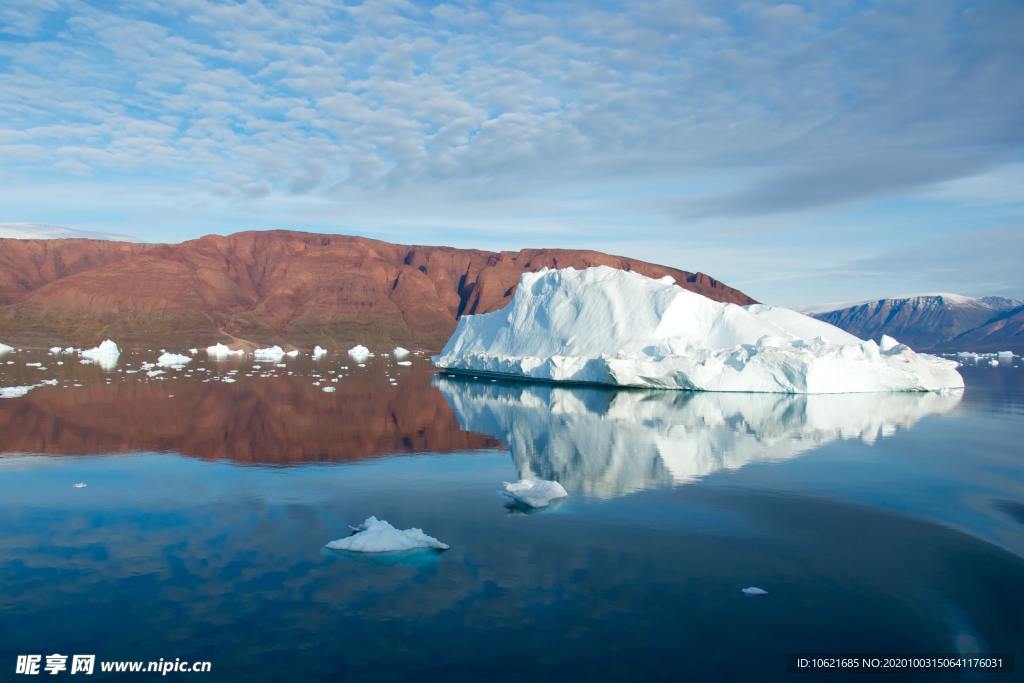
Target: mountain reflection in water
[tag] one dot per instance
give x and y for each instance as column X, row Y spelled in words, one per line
column 278, row 420
column 605, row 442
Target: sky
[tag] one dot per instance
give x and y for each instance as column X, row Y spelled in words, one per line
column 804, row 152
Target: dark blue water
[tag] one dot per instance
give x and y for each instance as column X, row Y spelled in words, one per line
column 880, row 524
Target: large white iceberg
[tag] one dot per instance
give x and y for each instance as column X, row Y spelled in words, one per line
column 608, row 326
column 4, row 348
column 377, row 536
column 106, row 354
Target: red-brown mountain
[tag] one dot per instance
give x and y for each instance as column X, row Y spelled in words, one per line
column 283, row 287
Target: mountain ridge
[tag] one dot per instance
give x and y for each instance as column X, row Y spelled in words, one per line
column 929, row 322
column 281, row 286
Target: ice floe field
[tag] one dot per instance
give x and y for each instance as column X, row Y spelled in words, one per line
column 389, row 521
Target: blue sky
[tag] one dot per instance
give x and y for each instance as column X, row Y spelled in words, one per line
column 805, row 152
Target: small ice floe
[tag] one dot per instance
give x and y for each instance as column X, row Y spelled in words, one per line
column 154, row 373
column 536, row 493
column 79, row 485
column 377, row 536
column 294, row 353
column 359, row 353
column 33, row 365
column 55, row 350
column 4, row 348
column 173, row 360
column 399, row 352
column 70, row 349
column 228, row 380
column 994, row 363
column 271, row 354
column 404, row 362
column 221, row 352
column 319, row 352
column 329, row 390
column 106, row 354
column 193, row 351
column 754, row 590
column 16, row 392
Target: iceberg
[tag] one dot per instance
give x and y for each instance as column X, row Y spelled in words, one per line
column 606, row 442
column 319, row 352
column 272, row 354
column 106, row 354
column 377, row 536
column 359, row 353
column 754, row 590
column 221, row 352
column 173, row 360
column 536, row 493
column 56, row 350
column 400, row 352
column 607, row 326
column 4, row 348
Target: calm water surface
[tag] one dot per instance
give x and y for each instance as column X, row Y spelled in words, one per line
column 877, row 523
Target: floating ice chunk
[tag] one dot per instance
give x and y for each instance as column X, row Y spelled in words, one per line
column 221, row 352
column 70, row 349
column 329, row 390
column 319, row 352
column 193, row 351
column 4, row 348
column 377, row 536
column 754, row 590
column 1005, row 354
column 606, row 326
column 79, row 485
column 106, row 354
column 56, row 350
column 154, row 373
column 993, row 362
column 537, row 493
column 228, row 380
column 272, row 354
column 173, row 360
column 404, row 362
column 16, row 392
column 359, row 353
column 399, row 352
column 33, row 365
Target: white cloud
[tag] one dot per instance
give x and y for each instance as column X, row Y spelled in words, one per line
column 32, row 231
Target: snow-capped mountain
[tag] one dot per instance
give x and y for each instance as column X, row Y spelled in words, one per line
column 925, row 321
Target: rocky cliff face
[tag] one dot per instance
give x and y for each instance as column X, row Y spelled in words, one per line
column 270, row 287
column 1004, row 332
column 927, row 322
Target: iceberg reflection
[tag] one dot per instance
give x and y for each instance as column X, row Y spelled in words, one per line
column 606, row 442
